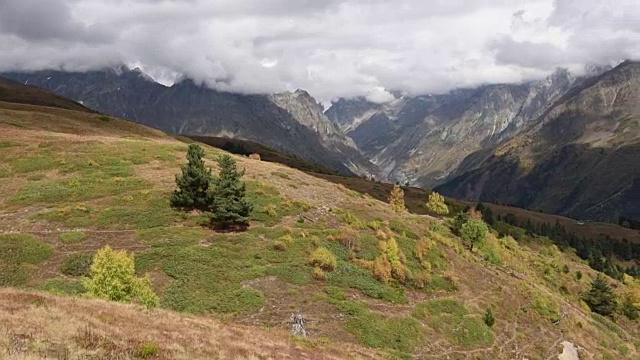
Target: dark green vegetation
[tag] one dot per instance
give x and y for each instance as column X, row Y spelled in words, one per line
column 18, row 256
column 193, row 183
column 600, row 297
column 230, row 208
column 452, row 318
column 602, row 252
column 222, row 199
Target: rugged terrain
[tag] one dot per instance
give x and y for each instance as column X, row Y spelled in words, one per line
column 422, row 140
column 73, row 181
column 290, row 122
column 580, row 158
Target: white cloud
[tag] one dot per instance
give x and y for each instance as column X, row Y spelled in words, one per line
column 331, row 48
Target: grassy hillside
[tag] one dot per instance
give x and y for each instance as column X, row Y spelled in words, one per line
column 14, row 92
column 73, row 182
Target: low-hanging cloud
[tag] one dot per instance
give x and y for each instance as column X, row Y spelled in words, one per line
column 332, row 48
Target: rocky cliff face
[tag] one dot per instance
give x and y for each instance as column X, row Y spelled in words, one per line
column 422, row 140
column 292, row 122
column 579, row 157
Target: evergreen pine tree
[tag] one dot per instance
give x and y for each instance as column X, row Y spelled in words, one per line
column 193, row 183
column 600, row 297
column 489, row 319
column 230, row 207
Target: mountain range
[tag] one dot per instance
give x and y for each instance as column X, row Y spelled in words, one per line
column 291, row 122
column 566, row 144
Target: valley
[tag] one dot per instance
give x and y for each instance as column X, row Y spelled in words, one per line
column 74, row 181
column 528, row 137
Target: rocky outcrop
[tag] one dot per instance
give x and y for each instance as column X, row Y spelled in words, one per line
column 422, row 140
column 578, row 158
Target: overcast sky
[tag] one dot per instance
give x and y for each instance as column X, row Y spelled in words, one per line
column 331, row 48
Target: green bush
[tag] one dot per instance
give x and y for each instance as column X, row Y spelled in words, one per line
column 474, row 232
column 72, row 237
column 323, row 259
column 77, row 265
column 113, row 278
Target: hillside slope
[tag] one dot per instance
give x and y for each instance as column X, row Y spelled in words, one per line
column 192, row 109
column 15, row 92
column 579, row 159
column 105, row 330
column 73, row 182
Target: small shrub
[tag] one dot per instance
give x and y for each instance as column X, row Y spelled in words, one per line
column 382, row 269
column 323, row 259
column 280, row 245
column 565, row 269
column 375, row 224
column 147, row 350
column 347, row 238
column 578, row 275
column 74, row 237
column 488, row 318
column 319, row 274
column 77, row 265
column 629, row 309
column 392, row 253
column 492, row 257
column 474, row 232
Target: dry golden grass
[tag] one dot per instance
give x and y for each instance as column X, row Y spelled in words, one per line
column 42, row 326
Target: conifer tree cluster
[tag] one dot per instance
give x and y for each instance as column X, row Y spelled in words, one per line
column 222, row 198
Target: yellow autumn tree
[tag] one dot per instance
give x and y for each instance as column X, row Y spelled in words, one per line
column 391, row 262
column 436, row 204
column 396, row 199
column 112, row 277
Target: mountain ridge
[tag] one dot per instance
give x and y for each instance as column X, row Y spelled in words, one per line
column 191, row 109
column 593, row 128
